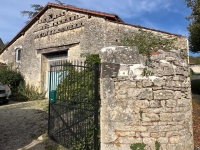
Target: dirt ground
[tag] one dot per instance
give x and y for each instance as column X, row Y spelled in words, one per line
column 23, row 126
column 196, row 120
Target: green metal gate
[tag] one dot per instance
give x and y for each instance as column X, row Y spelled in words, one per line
column 74, row 105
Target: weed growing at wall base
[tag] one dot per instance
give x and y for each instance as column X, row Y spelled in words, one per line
column 138, row 146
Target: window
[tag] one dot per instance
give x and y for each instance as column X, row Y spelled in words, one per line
column 18, row 54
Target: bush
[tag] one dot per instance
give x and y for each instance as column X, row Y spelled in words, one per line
column 11, row 77
column 29, row 92
column 20, row 90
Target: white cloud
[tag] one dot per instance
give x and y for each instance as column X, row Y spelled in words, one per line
column 125, row 8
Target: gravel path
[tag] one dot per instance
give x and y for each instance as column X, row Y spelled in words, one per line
column 21, row 124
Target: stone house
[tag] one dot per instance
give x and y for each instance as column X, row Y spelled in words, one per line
column 60, row 32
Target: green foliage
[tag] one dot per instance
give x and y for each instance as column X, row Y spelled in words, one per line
column 36, row 9
column 157, row 145
column 91, row 59
column 77, row 87
column 141, row 112
column 147, row 42
column 77, row 84
column 20, row 90
column 10, row 77
column 29, row 92
column 194, row 26
column 147, row 72
column 138, row 146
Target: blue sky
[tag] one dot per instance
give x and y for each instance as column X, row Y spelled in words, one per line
column 166, row 15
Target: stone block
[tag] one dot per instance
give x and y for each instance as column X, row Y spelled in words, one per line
column 154, row 103
column 109, row 70
column 177, row 95
column 114, row 146
column 172, row 133
column 157, row 134
column 164, row 128
column 107, row 133
column 171, row 147
column 142, row 103
column 120, row 55
column 147, row 83
column 149, row 141
column 166, row 116
column 139, row 84
column 164, row 147
column 150, row 117
column 176, row 127
column 145, row 134
column 183, row 102
column 117, row 114
column 154, row 129
column 171, row 103
column 125, row 133
column 129, row 140
column 174, row 139
column 178, row 117
column 170, row 83
column 140, row 94
column 158, row 82
column 162, row 140
column 168, row 71
column 163, row 94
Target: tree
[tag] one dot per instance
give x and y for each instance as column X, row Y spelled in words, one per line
column 36, row 9
column 194, row 26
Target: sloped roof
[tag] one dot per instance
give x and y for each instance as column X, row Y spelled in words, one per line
column 111, row 17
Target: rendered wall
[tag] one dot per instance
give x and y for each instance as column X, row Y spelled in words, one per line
column 138, row 109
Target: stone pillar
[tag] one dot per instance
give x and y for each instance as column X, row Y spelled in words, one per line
column 140, row 109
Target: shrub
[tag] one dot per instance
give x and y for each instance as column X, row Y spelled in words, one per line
column 11, row 77
column 29, row 92
column 20, row 90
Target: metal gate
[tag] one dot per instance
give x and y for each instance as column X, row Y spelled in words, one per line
column 74, row 105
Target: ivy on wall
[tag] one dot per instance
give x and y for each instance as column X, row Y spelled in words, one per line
column 147, row 42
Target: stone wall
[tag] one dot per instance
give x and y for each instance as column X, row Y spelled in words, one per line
column 138, row 109
column 77, row 32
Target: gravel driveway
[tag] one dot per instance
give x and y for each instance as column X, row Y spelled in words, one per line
column 21, row 123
